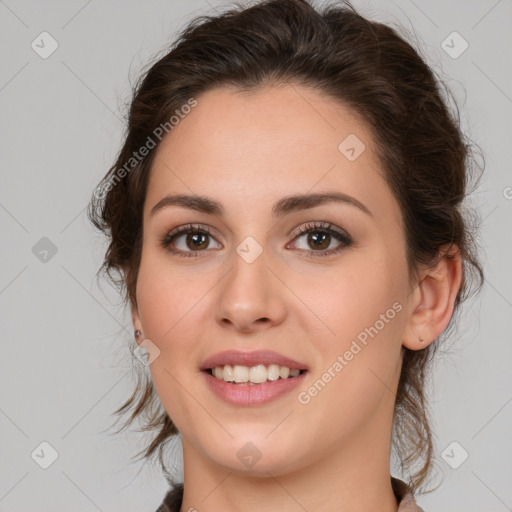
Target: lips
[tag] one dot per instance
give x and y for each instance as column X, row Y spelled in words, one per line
column 264, row 357
column 246, row 395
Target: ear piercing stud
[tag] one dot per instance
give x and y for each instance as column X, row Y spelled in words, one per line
column 137, row 333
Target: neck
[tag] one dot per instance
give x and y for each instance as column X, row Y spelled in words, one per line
column 353, row 477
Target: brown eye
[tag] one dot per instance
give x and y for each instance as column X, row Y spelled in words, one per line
column 187, row 241
column 318, row 239
column 196, row 241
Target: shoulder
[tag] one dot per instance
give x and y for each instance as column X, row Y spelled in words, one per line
column 404, row 496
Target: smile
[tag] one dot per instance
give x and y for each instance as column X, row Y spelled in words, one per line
column 253, row 375
column 246, row 393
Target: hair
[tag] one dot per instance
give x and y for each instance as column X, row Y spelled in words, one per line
column 426, row 159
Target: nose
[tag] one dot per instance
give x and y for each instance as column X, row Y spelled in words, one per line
column 251, row 297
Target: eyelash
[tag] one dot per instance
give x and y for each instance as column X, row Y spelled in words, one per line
column 310, row 227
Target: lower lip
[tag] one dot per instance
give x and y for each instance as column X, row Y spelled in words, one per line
column 246, row 395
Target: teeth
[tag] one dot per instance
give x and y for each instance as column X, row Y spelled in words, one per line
column 273, row 372
column 227, row 373
column 253, row 375
column 218, row 372
column 258, row 374
column 241, row 373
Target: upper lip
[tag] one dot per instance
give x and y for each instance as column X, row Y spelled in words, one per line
column 265, row 357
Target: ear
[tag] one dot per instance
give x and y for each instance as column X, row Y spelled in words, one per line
column 434, row 299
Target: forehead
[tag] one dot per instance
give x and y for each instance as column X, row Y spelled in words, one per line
column 251, row 148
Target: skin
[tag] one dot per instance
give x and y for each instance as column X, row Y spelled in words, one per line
column 247, row 151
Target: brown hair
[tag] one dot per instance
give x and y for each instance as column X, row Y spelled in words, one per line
column 366, row 65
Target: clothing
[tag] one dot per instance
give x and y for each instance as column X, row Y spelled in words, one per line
column 404, row 496
column 406, row 502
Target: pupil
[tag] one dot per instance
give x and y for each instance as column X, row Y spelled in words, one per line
column 321, row 239
column 196, row 239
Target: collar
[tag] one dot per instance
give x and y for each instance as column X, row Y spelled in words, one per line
column 406, row 502
column 404, row 496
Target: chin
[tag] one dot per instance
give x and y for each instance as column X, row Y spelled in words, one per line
column 257, row 457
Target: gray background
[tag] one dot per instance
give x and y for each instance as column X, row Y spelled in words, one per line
column 65, row 362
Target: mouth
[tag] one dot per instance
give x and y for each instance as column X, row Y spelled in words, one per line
column 253, row 375
column 247, row 379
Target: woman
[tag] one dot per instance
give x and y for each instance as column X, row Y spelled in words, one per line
column 286, row 219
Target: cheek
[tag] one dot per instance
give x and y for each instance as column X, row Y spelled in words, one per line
column 174, row 302
column 363, row 307
column 170, row 306
column 351, row 298
column 168, row 296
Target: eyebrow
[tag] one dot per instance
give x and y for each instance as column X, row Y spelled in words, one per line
column 285, row 205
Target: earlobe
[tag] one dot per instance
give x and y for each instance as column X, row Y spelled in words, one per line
column 434, row 300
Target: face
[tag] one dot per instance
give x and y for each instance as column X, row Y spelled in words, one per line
column 322, row 282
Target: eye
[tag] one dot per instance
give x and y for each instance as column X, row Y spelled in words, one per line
column 190, row 240
column 320, row 236
column 194, row 239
